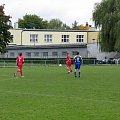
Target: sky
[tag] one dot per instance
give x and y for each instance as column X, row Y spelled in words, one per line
column 65, row 10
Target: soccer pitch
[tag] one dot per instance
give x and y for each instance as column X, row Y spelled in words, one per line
column 49, row 93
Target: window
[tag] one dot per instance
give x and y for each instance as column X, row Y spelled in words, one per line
column 54, row 53
column 48, row 38
column 79, row 38
column 93, row 40
column 45, row 54
column 36, row 54
column 64, row 53
column 33, row 38
column 65, row 38
column 28, row 54
column 12, row 54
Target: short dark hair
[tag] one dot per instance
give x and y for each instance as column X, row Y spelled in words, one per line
column 20, row 54
column 77, row 53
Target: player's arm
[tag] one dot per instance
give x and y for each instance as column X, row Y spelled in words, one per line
column 74, row 59
column 17, row 61
column 80, row 59
column 23, row 61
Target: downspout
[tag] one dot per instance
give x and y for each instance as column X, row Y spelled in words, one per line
column 21, row 37
column 87, row 45
column 87, row 37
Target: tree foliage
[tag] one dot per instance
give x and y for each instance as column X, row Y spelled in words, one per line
column 5, row 35
column 75, row 26
column 57, row 24
column 32, row 22
column 106, row 16
column 82, row 27
column 35, row 22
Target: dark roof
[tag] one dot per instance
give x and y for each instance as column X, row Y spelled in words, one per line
column 54, row 46
column 55, row 30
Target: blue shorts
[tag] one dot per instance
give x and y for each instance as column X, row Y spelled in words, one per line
column 77, row 66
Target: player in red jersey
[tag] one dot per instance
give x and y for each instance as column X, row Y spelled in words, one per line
column 68, row 63
column 19, row 61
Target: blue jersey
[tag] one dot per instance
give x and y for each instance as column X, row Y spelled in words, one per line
column 77, row 59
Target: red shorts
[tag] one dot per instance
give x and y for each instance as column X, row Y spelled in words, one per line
column 19, row 66
column 68, row 64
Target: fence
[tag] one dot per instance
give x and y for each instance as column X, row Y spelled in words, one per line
column 12, row 63
column 55, row 62
column 47, row 62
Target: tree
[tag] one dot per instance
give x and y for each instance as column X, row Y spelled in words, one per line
column 106, row 16
column 5, row 35
column 66, row 27
column 75, row 25
column 82, row 27
column 32, row 22
column 57, row 24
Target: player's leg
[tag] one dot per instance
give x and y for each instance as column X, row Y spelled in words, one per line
column 75, row 70
column 67, row 68
column 21, row 71
column 75, row 73
column 78, row 70
column 18, row 70
column 68, row 64
column 79, row 73
column 70, row 70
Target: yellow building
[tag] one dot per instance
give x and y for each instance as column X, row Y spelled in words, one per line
column 37, row 43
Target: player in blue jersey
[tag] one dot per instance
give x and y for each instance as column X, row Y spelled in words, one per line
column 78, row 62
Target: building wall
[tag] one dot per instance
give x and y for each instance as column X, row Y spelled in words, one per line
column 93, row 47
column 22, row 37
column 16, row 36
column 94, row 51
column 93, row 37
column 71, row 51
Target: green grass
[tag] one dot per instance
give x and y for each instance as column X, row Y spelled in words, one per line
column 49, row 93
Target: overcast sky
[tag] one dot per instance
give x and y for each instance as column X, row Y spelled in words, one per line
column 66, row 10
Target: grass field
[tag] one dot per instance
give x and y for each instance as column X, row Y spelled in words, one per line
column 49, row 93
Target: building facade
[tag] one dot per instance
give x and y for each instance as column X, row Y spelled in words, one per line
column 40, row 43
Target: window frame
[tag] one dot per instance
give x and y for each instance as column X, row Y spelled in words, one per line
column 48, row 38
column 79, row 38
column 33, row 38
column 65, row 38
